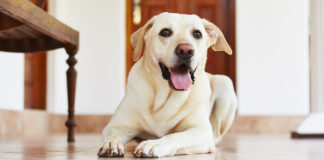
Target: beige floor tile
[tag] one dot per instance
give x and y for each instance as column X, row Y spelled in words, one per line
column 233, row 147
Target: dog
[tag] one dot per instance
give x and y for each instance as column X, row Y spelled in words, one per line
column 171, row 103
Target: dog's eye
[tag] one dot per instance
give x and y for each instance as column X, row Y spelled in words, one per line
column 166, row 32
column 197, row 34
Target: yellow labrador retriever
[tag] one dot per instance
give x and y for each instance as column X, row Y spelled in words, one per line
column 171, row 102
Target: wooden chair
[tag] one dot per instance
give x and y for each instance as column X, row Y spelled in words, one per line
column 25, row 27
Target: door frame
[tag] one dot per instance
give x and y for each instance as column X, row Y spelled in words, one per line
column 316, row 56
column 230, row 35
column 35, row 74
column 129, row 29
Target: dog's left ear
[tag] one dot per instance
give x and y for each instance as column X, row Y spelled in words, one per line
column 216, row 38
column 137, row 39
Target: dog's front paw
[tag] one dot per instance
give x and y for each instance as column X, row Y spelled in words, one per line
column 111, row 149
column 152, row 148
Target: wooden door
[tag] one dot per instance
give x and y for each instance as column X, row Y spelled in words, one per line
column 220, row 12
column 35, row 77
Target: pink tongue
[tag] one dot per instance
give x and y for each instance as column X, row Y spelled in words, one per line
column 181, row 81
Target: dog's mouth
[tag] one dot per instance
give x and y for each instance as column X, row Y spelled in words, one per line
column 180, row 78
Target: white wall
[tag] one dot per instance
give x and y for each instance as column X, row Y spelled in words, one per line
column 11, row 81
column 272, row 57
column 101, row 59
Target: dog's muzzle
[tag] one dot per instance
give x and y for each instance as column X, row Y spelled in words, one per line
column 180, row 78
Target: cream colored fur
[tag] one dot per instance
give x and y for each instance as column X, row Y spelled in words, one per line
column 172, row 122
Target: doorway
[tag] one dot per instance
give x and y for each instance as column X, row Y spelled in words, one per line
column 219, row 12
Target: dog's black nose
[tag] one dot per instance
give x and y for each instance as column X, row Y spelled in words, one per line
column 184, row 51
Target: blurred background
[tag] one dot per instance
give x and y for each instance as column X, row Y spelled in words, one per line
column 277, row 65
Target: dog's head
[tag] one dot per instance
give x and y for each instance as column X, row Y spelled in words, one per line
column 177, row 44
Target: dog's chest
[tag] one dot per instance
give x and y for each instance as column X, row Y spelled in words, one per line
column 166, row 112
column 159, row 127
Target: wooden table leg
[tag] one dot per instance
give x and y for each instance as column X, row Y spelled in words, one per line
column 71, row 74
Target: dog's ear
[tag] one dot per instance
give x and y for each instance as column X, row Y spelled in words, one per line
column 216, row 38
column 137, row 39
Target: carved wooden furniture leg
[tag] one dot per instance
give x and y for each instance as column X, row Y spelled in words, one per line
column 71, row 74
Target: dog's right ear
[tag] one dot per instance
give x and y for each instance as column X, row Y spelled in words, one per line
column 137, row 39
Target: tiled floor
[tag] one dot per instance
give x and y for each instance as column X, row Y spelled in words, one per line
column 233, row 147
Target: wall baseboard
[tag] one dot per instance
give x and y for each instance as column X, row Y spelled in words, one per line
column 39, row 123
column 265, row 124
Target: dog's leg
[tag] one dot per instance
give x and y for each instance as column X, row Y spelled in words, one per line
column 223, row 105
column 120, row 129
column 192, row 131
column 113, row 140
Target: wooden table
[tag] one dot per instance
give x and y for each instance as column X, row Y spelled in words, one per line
column 25, row 27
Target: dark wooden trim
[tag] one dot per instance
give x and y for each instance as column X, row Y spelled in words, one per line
column 35, row 74
column 296, row 135
column 35, row 81
column 231, row 35
column 229, row 32
column 129, row 50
